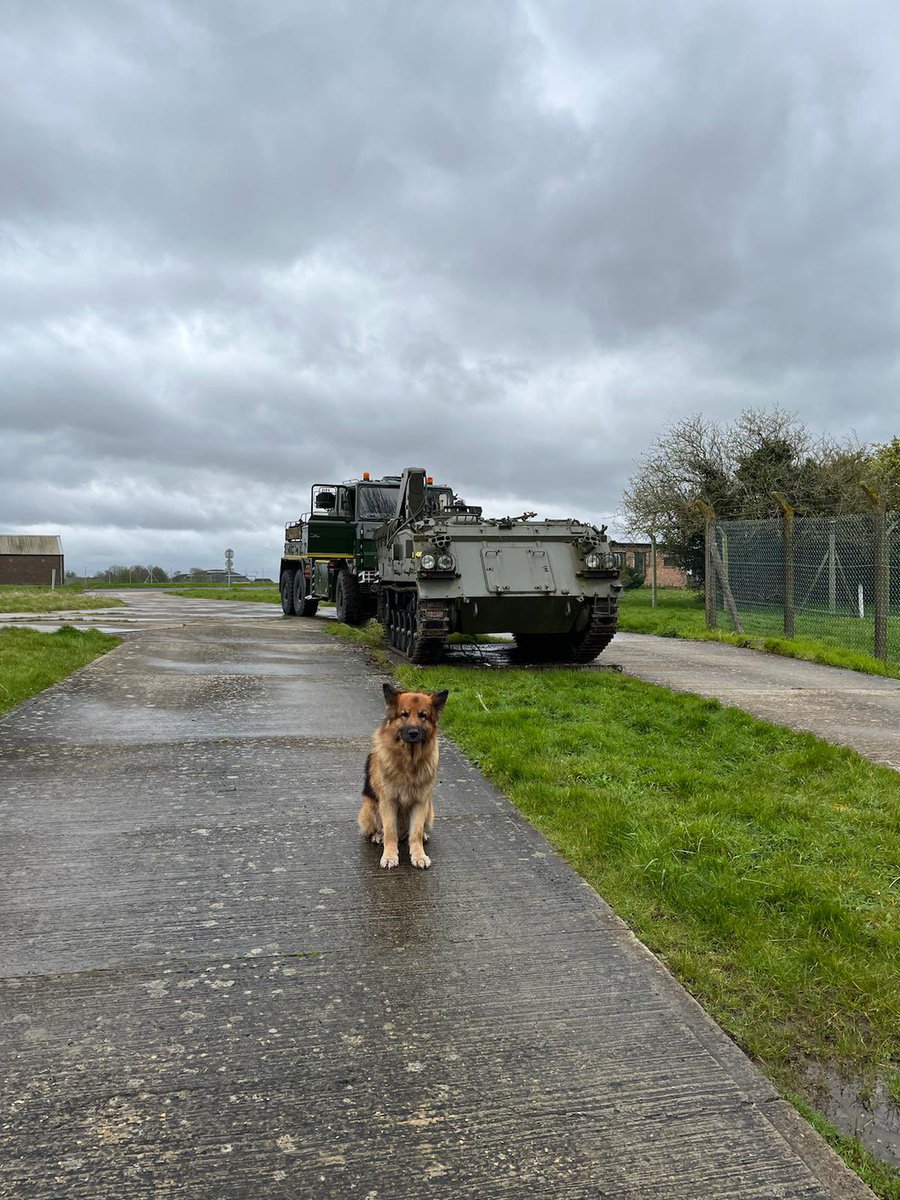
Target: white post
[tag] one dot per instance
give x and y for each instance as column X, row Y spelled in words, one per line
column 52, row 578
column 862, row 607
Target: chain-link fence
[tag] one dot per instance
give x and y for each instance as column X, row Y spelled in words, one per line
column 832, row 579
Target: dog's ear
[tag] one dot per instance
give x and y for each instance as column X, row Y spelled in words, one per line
column 390, row 697
column 439, row 699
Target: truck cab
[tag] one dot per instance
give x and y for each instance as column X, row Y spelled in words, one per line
column 329, row 551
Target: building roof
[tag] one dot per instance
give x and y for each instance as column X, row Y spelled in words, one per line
column 27, row 543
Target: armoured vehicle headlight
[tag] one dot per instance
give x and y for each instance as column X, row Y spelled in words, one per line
column 427, row 562
column 609, row 561
column 445, row 562
column 593, row 562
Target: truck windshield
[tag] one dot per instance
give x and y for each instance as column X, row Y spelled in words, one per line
column 374, row 504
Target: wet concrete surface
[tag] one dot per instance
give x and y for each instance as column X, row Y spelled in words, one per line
column 143, row 608
column 209, row 988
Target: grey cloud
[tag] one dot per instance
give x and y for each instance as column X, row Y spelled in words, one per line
column 246, row 247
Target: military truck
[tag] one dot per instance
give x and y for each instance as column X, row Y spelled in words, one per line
column 427, row 565
column 329, row 553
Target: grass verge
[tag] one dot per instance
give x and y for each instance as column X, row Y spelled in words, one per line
column 679, row 613
column 31, row 661
column 261, row 595
column 370, row 635
column 240, row 591
column 19, row 598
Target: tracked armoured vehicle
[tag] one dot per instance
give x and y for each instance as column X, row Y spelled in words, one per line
column 427, row 565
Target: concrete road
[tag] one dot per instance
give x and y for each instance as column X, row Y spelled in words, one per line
column 144, row 607
column 844, row 707
column 209, row 988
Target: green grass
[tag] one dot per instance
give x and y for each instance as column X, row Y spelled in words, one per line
column 758, row 863
column 19, row 598
column 30, row 660
column 371, row 635
column 262, row 595
column 835, row 642
column 239, row 591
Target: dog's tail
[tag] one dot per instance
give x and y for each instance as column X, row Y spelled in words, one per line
column 367, row 818
column 368, row 790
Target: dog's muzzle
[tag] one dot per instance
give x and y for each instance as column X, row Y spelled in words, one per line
column 412, row 734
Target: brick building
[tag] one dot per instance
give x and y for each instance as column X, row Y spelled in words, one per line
column 637, row 555
column 28, row 558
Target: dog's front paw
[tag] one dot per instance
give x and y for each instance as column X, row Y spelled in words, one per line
column 420, row 860
column 390, row 860
column 376, row 838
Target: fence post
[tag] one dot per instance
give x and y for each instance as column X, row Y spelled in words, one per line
column 788, row 530
column 709, row 571
column 653, row 570
column 879, row 521
column 832, row 567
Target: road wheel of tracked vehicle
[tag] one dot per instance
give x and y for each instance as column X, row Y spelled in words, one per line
column 302, row 606
column 391, row 620
column 407, row 630
column 401, row 626
column 421, row 649
column 348, row 602
column 286, row 588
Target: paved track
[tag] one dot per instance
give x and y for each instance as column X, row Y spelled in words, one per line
column 209, row 988
column 145, row 607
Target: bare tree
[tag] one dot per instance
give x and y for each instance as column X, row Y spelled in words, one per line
column 735, row 469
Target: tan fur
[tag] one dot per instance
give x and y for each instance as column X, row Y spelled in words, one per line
column 398, row 798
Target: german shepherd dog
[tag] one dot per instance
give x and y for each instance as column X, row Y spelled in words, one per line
column 401, row 772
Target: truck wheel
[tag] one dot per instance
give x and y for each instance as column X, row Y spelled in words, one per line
column 348, row 602
column 287, row 593
column 302, row 606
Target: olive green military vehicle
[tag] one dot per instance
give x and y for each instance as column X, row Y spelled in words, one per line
column 329, row 552
column 427, row 565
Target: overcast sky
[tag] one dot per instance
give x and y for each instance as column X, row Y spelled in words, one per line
column 251, row 246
